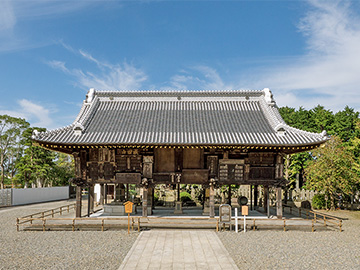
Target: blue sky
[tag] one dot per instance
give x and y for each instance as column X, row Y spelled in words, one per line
column 51, row 52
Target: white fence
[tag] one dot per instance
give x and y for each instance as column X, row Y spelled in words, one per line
column 21, row 196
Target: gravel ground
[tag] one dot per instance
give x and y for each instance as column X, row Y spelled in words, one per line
column 275, row 249
column 59, row 249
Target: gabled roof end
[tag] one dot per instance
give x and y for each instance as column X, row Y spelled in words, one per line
column 269, row 97
column 90, row 95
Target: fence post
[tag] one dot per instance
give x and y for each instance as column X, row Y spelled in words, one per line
column 340, row 225
column 17, row 224
column 44, row 220
column 284, row 225
column 312, row 225
column 52, row 212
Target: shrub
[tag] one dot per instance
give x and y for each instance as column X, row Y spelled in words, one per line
column 156, row 197
column 185, row 196
column 318, row 201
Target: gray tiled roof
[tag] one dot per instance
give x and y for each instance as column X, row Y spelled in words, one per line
column 180, row 118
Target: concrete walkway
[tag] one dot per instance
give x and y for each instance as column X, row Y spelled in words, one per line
column 176, row 249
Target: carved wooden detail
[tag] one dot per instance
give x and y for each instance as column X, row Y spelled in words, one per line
column 231, row 170
column 148, row 162
column 212, row 164
column 194, row 176
column 262, row 159
column 262, row 173
column 128, row 163
column 128, row 178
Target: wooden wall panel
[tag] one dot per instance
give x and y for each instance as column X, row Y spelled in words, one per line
column 262, row 173
column 164, row 160
column 192, row 159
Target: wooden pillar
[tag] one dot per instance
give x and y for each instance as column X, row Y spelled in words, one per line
column 102, row 193
column 153, row 198
column 106, row 192
column 78, row 201
column 178, row 192
column 251, row 197
column 279, row 212
column 145, row 202
column 212, row 201
column 91, row 199
column 256, row 192
column 266, row 201
column 127, row 192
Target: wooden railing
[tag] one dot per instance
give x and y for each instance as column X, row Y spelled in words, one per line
column 75, row 223
column 41, row 215
column 256, row 223
column 317, row 217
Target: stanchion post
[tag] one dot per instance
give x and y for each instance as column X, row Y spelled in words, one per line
column 244, row 223
column 236, row 221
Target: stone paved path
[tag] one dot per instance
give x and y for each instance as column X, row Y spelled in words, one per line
column 176, row 249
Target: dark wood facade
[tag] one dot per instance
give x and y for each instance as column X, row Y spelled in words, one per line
column 207, row 138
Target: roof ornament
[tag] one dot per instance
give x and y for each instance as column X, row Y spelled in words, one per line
column 78, row 129
column 90, row 95
column 269, row 97
column 324, row 134
column 35, row 133
column 280, row 130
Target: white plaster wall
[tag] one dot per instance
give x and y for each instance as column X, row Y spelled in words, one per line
column 97, row 191
column 34, row 195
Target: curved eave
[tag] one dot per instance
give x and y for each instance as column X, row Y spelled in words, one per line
column 288, row 149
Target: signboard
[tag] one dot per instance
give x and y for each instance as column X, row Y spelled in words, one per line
column 128, row 210
column 128, row 207
column 245, row 210
column 225, row 213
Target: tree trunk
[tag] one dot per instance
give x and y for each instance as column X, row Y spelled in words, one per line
column 2, row 176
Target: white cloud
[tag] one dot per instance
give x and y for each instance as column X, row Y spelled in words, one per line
column 15, row 13
column 36, row 114
column 330, row 68
column 198, row 78
column 58, row 65
column 107, row 77
column 7, row 16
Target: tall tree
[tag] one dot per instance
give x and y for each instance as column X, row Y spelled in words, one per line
column 323, row 119
column 331, row 170
column 36, row 164
column 11, row 129
column 345, row 123
column 62, row 170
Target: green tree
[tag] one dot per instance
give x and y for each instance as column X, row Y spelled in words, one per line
column 323, row 119
column 63, row 169
column 11, row 131
column 36, row 164
column 345, row 123
column 331, row 170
